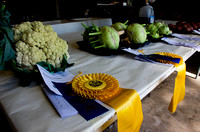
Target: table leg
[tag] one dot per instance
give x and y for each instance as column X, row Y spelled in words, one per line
column 197, row 73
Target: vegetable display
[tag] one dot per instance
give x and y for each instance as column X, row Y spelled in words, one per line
column 109, row 40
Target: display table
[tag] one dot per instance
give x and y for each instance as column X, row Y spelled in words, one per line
column 29, row 109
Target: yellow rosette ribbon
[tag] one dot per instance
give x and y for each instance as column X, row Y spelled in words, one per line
column 104, row 87
column 179, row 87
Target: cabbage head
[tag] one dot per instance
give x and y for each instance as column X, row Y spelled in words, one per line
column 120, row 26
column 136, row 33
column 108, row 38
column 165, row 30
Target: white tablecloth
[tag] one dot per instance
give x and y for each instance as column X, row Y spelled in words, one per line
column 28, row 108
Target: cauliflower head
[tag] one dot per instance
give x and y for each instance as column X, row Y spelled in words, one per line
column 36, row 42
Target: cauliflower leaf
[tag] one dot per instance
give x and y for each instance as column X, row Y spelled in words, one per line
column 6, row 38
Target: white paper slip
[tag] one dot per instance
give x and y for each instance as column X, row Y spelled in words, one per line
column 196, row 32
column 60, row 77
column 62, row 106
column 135, row 52
column 182, row 42
column 187, row 36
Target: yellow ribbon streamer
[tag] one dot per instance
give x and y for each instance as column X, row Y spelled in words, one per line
column 128, row 107
column 179, row 87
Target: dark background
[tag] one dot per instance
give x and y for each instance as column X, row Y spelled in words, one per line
column 45, row 10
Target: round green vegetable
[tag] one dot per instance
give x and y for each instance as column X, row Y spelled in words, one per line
column 120, row 26
column 108, row 38
column 152, row 28
column 159, row 24
column 165, row 30
column 155, row 35
column 136, row 33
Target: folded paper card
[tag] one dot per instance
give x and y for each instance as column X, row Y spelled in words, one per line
column 196, row 32
column 64, row 108
column 187, row 36
column 182, row 42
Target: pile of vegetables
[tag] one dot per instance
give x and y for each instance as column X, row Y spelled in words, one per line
column 157, row 30
column 184, row 27
column 27, row 44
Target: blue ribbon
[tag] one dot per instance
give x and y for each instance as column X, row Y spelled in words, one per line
column 87, row 108
column 154, row 57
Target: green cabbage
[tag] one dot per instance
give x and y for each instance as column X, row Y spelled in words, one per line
column 120, row 26
column 152, row 28
column 108, row 38
column 159, row 24
column 137, row 33
column 165, row 30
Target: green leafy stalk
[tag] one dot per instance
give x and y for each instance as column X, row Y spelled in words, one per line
column 96, row 33
column 100, row 46
column 126, row 22
column 95, row 41
column 89, row 29
column 85, row 26
column 95, row 27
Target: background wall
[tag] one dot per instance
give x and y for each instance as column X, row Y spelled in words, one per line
column 45, row 10
column 187, row 10
column 23, row 10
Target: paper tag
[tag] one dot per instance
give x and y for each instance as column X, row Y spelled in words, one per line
column 55, row 77
column 182, row 42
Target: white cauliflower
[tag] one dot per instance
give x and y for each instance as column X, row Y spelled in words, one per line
column 36, row 42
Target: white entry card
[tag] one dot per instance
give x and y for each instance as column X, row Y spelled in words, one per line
column 59, row 77
column 60, row 103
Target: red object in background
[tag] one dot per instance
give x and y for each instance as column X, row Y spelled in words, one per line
column 184, row 27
